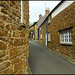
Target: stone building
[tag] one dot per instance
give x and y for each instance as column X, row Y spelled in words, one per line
column 14, row 41
column 58, row 29
column 38, row 23
column 34, row 32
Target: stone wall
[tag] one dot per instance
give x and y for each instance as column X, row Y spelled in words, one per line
column 36, row 32
column 14, row 42
column 63, row 20
column 43, row 31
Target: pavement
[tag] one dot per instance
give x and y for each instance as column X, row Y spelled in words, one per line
column 44, row 61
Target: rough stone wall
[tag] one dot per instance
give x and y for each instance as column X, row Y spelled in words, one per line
column 63, row 20
column 14, row 42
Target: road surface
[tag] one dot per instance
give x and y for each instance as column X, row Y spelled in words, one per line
column 44, row 61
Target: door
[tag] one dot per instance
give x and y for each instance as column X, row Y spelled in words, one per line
column 46, row 39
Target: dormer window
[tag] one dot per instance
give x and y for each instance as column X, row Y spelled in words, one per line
column 48, row 19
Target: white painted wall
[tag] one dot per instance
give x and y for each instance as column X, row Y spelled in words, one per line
column 61, row 7
column 21, row 11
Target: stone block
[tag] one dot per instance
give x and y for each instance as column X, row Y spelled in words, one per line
column 13, row 27
column 16, row 60
column 19, row 72
column 24, row 41
column 13, row 52
column 4, row 11
column 3, row 46
column 22, row 34
column 1, row 24
column 5, row 5
column 4, row 65
column 18, row 66
column 2, row 53
column 8, row 71
column 17, row 42
column 11, row 41
column 8, row 27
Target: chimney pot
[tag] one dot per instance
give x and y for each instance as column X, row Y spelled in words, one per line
column 47, row 11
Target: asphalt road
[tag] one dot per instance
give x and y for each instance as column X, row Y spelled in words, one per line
column 44, row 61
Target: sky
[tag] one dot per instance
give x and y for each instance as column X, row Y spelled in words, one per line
column 38, row 7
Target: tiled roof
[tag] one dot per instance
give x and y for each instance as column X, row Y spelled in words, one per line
column 41, row 20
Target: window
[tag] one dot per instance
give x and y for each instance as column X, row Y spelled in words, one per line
column 41, row 35
column 40, row 28
column 48, row 19
column 66, row 37
column 49, row 36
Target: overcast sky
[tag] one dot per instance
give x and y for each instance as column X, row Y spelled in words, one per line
column 38, row 7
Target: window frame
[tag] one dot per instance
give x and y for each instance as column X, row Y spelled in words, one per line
column 41, row 35
column 66, row 36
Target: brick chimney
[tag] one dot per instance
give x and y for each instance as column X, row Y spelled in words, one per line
column 40, row 16
column 47, row 11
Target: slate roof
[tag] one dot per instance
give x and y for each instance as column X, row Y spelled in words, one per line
column 41, row 20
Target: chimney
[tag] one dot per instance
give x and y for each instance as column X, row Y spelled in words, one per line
column 40, row 16
column 47, row 11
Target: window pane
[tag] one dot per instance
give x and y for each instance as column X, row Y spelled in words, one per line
column 66, row 37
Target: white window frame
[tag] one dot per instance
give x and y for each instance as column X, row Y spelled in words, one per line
column 41, row 35
column 49, row 19
column 66, row 37
column 49, row 36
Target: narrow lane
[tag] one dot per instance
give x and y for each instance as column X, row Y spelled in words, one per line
column 43, row 61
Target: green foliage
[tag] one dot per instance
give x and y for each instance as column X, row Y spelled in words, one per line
column 31, row 35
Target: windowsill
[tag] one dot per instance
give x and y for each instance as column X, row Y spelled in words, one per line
column 68, row 44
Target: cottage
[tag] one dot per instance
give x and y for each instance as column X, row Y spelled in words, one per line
column 38, row 23
column 58, row 29
column 33, row 31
